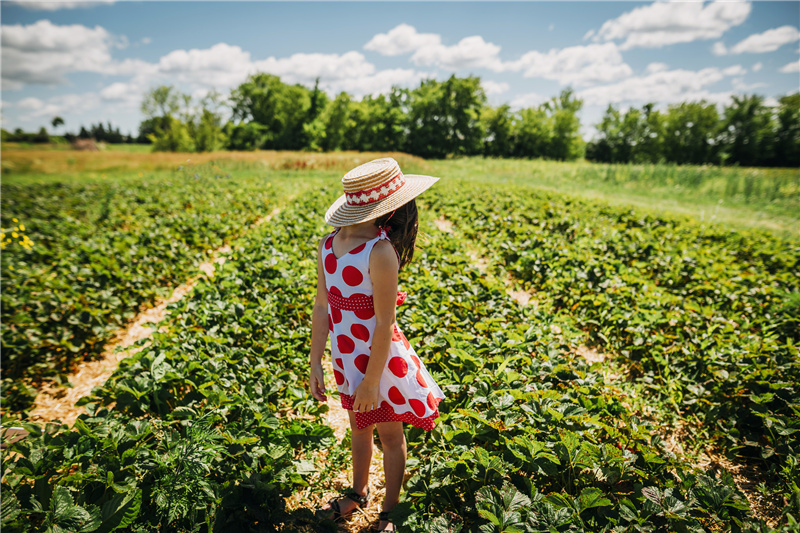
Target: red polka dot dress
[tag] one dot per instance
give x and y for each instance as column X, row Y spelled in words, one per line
column 407, row 392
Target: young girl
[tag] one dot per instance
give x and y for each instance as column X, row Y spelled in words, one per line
column 381, row 381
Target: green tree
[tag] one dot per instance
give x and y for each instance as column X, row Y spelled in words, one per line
column 376, row 123
column 205, row 124
column 170, row 134
column 282, row 109
column 329, row 130
column 498, row 125
column 787, row 136
column 443, row 118
column 691, row 133
column 566, row 143
column 56, row 122
column 748, row 133
column 532, row 132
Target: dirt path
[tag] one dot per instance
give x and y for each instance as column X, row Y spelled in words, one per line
column 339, row 421
column 58, row 403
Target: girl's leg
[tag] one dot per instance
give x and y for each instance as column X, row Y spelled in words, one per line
column 393, row 440
column 361, row 449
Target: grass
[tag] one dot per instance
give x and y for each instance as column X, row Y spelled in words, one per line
column 740, row 198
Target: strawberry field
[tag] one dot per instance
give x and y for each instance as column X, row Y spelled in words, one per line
column 210, row 426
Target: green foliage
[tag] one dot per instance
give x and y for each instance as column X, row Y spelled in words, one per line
column 748, row 133
column 100, row 250
column 443, row 118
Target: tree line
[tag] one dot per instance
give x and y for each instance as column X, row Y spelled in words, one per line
column 452, row 118
column 746, row 133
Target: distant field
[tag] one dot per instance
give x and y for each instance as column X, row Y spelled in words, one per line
column 737, row 197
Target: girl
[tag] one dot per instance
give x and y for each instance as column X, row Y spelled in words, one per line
column 381, row 381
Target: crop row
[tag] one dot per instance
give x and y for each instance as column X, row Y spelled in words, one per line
column 706, row 320
column 529, row 437
column 101, row 249
column 192, row 432
column 211, row 426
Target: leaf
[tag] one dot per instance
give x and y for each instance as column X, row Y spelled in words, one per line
column 9, row 509
column 120, row 511
column 592, row 497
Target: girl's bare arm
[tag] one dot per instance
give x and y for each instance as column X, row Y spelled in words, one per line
column 319, row 332
column 383, row 267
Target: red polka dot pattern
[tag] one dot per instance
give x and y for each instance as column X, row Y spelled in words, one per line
column 396, row 396
column 339, row 377
column 405, row 342
column 360, row 332
column 345, row 344
column 407, row 392
column 352, row 276
column 431, row 401
column 330, row 264
column 358, row 248
column 417, row 406
column 365, row 314
column 385, row 413
column 398, row 366
column 361, row 363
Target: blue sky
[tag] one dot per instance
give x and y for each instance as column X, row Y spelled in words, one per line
column 92, row 61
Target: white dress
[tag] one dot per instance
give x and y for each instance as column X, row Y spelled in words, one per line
column 407, row 392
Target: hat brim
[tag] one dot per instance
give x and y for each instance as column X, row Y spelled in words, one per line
column 343, row 214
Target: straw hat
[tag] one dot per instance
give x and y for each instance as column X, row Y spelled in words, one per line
column 374, row 189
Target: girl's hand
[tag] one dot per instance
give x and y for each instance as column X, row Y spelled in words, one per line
column 365, row 397
column 317, row 382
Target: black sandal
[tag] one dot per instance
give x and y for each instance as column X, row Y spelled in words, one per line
column 334, row 512
column 384, row 516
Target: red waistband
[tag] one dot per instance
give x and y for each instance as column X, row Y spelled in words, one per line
column 359, row 302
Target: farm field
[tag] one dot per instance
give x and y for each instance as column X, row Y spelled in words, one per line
column 684, row 417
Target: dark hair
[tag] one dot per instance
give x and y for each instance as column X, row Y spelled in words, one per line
column 403, row 226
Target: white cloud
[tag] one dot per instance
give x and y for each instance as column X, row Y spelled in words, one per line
column 666, row 86
column 146, row 40
column 740, row 86
column 377, row 83
column 402, row 39
column 57, row 105
column 757, row 66
column 656, row 67
column 768, row 41
column 579, row 65
column 56, row 5
column 734, row 70
column 493, row 87
column 789, row 68
column 305, row 68
column 664, row 23
column 427, row 49
column 551, row 27
column 30, row 103
column 527, row 100
column 719, row 49
column 44, row 53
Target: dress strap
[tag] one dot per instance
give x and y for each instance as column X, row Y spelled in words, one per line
column 382, row 234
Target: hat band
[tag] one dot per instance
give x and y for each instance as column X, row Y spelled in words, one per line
column 368, row 196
